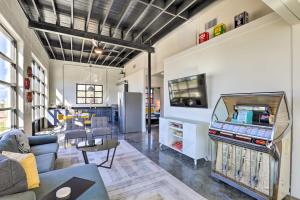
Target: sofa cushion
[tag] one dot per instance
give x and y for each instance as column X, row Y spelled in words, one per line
column 28, row 162
column 9, row 144
column 45, row 162
column 12, row 176
column 22, row 140
column 53, row 179
column 44, row 149
column 42, row 139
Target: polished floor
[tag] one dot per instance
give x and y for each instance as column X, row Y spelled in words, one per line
column 182, row 167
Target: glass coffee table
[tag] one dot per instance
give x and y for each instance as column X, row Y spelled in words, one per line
column 96, row 145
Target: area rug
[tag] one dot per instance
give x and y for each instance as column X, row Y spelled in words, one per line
column 133, row 176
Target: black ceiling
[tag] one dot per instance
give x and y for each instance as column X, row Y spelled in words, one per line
column 138, row 21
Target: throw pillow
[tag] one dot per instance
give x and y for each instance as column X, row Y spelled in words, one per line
column 9, row 144
column 23, row 142
column 28, row 163
column 12, row 177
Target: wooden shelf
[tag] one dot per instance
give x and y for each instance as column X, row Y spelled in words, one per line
column 174, row 128
column 180, row 137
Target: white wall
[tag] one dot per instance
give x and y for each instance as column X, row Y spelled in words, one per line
column 13, row 18
column 244, row 60
column 296, row 112
column 64, row 76
column 185, row 36
column 249, row 59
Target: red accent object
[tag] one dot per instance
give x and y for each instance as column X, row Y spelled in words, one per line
column 203, row 37
column 261, row 142
column 178, row 145
column 214, row 132
column 29, row 96
column 27, row 83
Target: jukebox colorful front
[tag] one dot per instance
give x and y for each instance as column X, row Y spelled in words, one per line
column 252, row 143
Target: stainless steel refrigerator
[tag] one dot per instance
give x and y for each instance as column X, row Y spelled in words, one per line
column 130, row 112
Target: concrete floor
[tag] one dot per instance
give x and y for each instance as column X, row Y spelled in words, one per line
column 182, row 167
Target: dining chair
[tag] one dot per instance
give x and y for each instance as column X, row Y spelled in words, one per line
column 74, row 129
column 100, row 127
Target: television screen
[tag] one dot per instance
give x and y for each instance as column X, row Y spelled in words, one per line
column 188, row 91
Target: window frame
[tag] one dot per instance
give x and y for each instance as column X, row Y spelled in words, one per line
column 14, row 116
column 85, row 93
column 37, row 69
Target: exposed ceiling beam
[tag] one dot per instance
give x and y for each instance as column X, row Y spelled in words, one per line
column 138, row 20
column 103, row 24
column 91, row 54
column 49, row 46
column 105, row 18
column 160, row 8
column 51, row 28
column 119, row 23
column 57, row 22
column 89, row 16
column 72, row 49
column 61, row 46
column 54, row 11
column 153, row 20
column 55, row 44
column 72, row 13
column 82, row 46
column 87, row 24
column 72, row 26
column 149, row 24
column 180, row 9
column 170, row 20
column 37, row 10
column 141, row 16
column 45, row 35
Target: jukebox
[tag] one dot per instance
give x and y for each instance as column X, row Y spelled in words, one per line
column 252, row 143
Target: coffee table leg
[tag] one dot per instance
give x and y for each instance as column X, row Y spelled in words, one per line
column 86, row 161
column 112, row 159
column 107, row 157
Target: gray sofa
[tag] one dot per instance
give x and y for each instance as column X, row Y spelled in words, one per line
column 45, row 150
column 43, row 147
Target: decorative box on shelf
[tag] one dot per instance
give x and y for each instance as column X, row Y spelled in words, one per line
column 241, row 19
column 219, row 29
column 203, row 37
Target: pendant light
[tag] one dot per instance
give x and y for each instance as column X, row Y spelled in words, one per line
column 91, row 88
column 97, row 50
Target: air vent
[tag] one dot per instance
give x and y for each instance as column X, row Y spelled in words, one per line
column 211, row 24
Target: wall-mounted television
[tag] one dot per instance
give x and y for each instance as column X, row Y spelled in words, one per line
column 188, row 91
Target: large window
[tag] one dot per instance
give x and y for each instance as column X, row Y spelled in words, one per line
column 8, row 81
column 39, row 89
column 89, row 94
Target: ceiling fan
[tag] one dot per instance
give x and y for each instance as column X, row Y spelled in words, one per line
column 100, row 50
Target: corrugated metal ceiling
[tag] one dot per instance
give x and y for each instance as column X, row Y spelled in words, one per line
column 140, row 21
